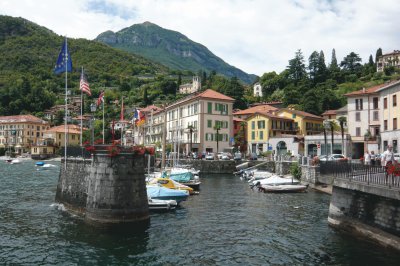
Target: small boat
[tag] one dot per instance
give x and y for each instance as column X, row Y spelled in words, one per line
column 39, row 164
column 162, row 205
column 160, row 192
column 44, row 166
column 283, row 188
column 276, row 180
column 184, row 177
column 15, row 161
column 172, row 184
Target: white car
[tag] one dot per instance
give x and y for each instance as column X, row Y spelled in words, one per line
column 332, row 157
column 397, row 157
column 210, row 156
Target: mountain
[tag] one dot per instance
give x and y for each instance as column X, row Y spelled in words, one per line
column 28, row 53
column 171, row 49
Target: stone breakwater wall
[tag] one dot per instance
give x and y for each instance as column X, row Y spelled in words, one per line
column 106, row 190
column 369, row 215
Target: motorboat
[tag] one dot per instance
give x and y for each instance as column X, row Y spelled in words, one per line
column 44, row 166
column 162, row 205
column 172, row 184
column 283, row 188
column 163, row 193
column 15, row 161
column 184, row 177
column 276, row 180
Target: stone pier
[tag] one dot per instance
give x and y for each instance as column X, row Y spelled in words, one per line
column 106, row 190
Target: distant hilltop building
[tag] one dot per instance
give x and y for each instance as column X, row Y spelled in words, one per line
column 189, row 88
column 387, row 60
column 257, row 90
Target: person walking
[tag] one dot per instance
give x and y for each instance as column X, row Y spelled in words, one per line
column 367, row 158
column 387, row 160
column 373, row 158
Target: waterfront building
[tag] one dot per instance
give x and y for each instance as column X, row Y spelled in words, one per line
column 262, row 126
column 365, row 117
column 305, row 123
column 57, row 134
column 196, row 121
column 388, row 60
column 244, row 114
column 390, row 116
column 21, row 132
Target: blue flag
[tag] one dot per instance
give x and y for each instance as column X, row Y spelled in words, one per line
column 64, row 62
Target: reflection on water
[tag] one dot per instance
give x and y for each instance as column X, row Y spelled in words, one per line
column 227, row 224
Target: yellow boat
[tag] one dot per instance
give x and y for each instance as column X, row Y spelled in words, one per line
column 169, row 183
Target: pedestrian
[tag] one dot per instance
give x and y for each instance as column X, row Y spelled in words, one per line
column 373, row 158
column 387, row 160
column 367, row 158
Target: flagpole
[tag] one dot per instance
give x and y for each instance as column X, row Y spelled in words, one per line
column 103, row 120
column 122, row 122
column 66, row 102
column 81, row 106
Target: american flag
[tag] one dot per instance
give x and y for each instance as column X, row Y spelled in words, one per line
column 84, row 85
column 101, row 98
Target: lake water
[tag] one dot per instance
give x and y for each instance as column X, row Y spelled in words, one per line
column 227, row 224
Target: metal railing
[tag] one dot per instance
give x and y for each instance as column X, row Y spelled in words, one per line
column 368, row 174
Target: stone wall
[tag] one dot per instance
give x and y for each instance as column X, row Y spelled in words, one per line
column 72, row 184
column 106, row 190
column 370, row 215
column 283, row 168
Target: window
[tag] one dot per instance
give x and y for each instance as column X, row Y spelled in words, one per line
column 394, row 100
column 358, row 116
column 261, row 124
column 209, row 123
column 358, row 131
column 209, row 108
column 293, row 116
column 385, row 103
column 253, row 124
column 253, row 135
column 385, row 125
column 375, row 102
column 261, row 135
column 359, row 104
column 394, row 146
column 394, row 123
column 376, row 116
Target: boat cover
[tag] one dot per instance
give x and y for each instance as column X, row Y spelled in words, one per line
column 181, row 177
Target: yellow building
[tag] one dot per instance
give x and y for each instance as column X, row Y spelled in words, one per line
column 306, row 123
column 20, row 132
column 261, row 126
column 58, row 135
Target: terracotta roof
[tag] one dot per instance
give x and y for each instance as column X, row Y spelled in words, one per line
column 392, row 53
column 329, row 112
column 21, row 119
column 72, row 129
column 237, row 119
column 213, row 95
column 302, row 113
column 258, row 108
column 372, row 90
column 149, row 108
column 270, row 115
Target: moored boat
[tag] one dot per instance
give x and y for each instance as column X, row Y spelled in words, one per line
column 159, row 192
column 161, row 205
column 283, row 188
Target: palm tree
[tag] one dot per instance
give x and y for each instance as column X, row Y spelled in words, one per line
column 217, row 128
column 342, row 120
column 191, row 129
column 333, row 125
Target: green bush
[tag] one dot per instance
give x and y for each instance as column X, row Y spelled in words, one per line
column 295, row 170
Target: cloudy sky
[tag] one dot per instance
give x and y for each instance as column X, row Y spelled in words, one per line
column 256, row 36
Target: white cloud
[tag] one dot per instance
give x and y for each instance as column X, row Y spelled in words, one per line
column 256, row 36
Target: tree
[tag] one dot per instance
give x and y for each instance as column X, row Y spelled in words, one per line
column 297, row 68
column 378, row 54
column 313, row 63
column 370, row 60
column 322, row 71
column 333, row 65
column 342, row 121
column 352, row 63
column 270, row 82
column 332, row 125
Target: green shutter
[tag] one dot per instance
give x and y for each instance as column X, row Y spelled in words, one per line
column 209, row 123
column 209, row 108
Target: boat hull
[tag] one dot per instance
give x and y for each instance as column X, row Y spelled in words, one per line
column 284, row 188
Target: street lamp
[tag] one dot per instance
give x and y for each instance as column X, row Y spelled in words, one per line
column 378, row 141
column 92, row 109
column 217, row 128
column 326, row 125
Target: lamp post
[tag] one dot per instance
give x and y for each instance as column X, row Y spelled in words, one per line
column 217, row 128
column 326, row 125
column 378, row 141
column 92, row 109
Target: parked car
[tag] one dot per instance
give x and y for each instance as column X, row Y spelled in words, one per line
column 210, row 156
column 332, row 157
column 195, row 155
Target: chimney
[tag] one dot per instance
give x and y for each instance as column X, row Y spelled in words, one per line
column 363, row 90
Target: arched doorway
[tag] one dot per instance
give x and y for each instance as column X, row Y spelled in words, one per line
column 312, row 150
column 281, row 148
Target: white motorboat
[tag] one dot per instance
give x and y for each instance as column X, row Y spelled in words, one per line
column 276, row 180
column 162, row 205
column 15, row 161
column 283, row 188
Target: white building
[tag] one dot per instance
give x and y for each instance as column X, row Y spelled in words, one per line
column 257, row 90
column 202, row 113
column 191, row 87
column 387, row 60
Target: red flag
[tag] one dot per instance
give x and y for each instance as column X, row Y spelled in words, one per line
column 121, row 118
column 84, row 85
column 101, row 98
